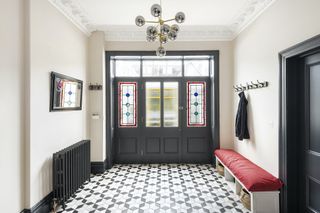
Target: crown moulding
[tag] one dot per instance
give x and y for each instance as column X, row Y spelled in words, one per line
column 78, row 16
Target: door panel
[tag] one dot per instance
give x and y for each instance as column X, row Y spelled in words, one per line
column 196, row 145
column 310, row 157
column 127, row 132
column 314, row 144
column 314, row 191
column 153, row 146
column 171, row 145
column 128, row 145
column 162, row 123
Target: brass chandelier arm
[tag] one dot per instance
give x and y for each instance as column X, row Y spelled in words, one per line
column 153, row 22
column 169, row 20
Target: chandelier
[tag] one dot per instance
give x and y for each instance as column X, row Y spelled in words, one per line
column 160, row 30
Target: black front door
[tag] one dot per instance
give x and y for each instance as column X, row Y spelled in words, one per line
column 310, row 156
column 161, row 114
column 162, row 120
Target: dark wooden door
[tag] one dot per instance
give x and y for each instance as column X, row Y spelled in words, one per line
column 310, row 156
column 163, row 120
column 196, row 141
column 161, row 113
column 127, row 136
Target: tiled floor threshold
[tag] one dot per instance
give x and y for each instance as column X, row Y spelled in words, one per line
column 156, row 188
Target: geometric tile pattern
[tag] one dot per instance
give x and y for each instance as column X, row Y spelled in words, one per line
column 156, row 188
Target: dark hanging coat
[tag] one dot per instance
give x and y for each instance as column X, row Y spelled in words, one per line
column 241, row 119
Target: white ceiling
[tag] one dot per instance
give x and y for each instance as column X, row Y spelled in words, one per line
column 205, row 19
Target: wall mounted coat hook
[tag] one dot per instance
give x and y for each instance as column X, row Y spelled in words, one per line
column 261, row 84
column 243, row 87
column 254, row 84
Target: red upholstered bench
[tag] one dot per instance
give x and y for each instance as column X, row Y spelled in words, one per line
column 262, row 186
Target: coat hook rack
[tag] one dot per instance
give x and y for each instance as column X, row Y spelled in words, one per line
column 251, row 85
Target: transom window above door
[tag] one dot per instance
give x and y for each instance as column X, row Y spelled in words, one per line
column 168, row 66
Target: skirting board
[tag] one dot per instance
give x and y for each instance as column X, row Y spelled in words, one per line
column 43, row 206
column 99, row 167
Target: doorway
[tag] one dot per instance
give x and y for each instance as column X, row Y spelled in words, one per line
column 299, row 147
column 164, row 107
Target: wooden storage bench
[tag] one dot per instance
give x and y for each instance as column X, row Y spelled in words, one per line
column 241, row 173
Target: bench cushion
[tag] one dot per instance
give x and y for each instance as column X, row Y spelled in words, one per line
column 253, row 177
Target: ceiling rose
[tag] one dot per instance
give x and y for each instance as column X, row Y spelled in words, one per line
column 161, row 31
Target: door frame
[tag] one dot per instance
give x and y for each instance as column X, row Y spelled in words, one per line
column 215, row 97
column 289, row 61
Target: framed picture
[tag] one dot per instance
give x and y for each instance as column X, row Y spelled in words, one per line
column 65, row 93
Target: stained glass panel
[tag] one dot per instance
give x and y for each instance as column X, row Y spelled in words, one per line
column 128, row 104
column 196, row 97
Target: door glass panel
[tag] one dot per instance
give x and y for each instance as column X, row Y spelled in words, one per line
column 196, row 98
column 127, row 68
column 128, row 104
column 153, row 104
column 158, row 68
column 170, row 104
column 196, row 67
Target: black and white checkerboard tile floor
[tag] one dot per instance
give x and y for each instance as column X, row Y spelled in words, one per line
column 156, row 188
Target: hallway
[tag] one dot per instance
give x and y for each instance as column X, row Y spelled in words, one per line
column 156, row 188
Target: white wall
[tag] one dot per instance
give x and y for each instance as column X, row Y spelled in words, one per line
column 55, row 45
column 12, row 106
column 226, row 75
column 285, row 23
column 96, row 75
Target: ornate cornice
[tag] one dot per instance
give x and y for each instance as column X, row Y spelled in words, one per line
column 251, row 10
column 248, row 14
column 75, row 13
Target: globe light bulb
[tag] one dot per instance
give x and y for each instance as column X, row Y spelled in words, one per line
column 161, row 52
column 180, row 17
column 164, row 29
column 156, row 10
column 172, row 35
column 175, row 28
column 163, row 39
column 151, row 38
column 152, row 31
column 140, row 21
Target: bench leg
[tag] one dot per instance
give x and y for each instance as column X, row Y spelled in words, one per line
column 238, row 188
column 228, row 176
